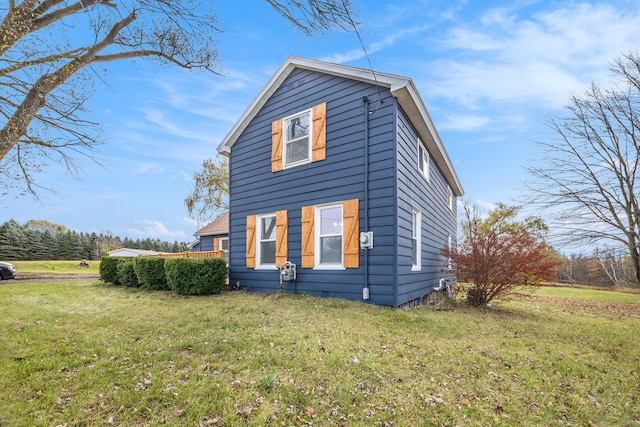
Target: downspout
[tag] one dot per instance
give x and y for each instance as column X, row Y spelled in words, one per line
column 365, row 102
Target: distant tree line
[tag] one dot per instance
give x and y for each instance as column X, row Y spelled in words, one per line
column 605, row 267
column 42, row 240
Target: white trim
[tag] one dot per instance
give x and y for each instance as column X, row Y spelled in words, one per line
column 450, row 246
column 225, row 253
column 402, row 88
column 317, row 236
column 259, row 218
column 425, row 158
column 309, row 113
column 416, row 234
column 220, row 240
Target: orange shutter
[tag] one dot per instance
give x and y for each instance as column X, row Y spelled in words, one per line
column 250, row 255
column 276, row 145
column 351, row 230
column 308, row 213
column 281, row 238
column 319, row 144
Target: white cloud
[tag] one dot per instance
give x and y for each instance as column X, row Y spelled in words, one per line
column 144, row 168
column 193, row 223
column 463, row 123
column 155, row 230
column 543, row 59
column 376, row 46
column 186, row 177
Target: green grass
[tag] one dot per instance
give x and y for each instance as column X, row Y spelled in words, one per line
column 56, row 267
column 84, row 353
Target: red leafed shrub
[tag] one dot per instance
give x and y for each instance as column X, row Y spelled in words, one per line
column 499, row 253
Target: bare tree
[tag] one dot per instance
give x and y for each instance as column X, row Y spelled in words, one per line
column 586, row 180
column 50, row 50
column 210, row 194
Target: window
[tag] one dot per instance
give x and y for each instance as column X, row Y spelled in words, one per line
column 266, row 240
column 297, row 146
column 299, row 139
column 423, row 160
column 450, row 245
column 329, row 237
column 416, row 250
column 266, row 234
column 224, row 247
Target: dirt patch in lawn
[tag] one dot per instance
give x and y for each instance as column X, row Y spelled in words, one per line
column 54, row 277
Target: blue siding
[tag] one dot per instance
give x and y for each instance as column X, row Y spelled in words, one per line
column 254, row 189
column 206, row 244
column 438, row 220
column 394, row 187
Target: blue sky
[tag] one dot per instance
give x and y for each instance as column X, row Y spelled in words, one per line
column 488, row 72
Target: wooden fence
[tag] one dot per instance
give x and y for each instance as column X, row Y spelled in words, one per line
column 203, row 254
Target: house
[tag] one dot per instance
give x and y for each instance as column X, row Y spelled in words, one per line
column 339, row 173
column 213, row 236
column 132, row 252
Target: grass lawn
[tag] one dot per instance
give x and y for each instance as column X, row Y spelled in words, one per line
column 56, row 267
column 85, row 353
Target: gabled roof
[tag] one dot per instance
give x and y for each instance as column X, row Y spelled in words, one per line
column 402, row 88
column 219, row 226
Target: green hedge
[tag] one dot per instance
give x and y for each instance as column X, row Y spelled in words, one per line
column 151, row 274
column 109, row 270
column 196, row 276
column 127, row 273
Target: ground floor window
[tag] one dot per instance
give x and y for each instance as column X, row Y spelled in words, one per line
column 224, row 247
column 266, row 247
column 416, row 250
column 329, row 237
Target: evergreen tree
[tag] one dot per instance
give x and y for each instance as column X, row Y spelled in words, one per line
column 11, row 241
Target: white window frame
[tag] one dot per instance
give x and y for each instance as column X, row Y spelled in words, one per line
column 450, row 245
column 423, row 156
column 318, row 236
column 416, row 238
column 286, row 165
column 259, row 218
column 225, row 252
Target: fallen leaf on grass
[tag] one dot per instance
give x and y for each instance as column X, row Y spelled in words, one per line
column 245, row 411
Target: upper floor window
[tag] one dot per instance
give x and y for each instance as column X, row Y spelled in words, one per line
column 299, row 139
column 423, row 160
column 297, row 146
column 416, row 239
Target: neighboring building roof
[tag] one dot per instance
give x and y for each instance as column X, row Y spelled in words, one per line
column 402, row 88
column 132, row 252
column 219, row 226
